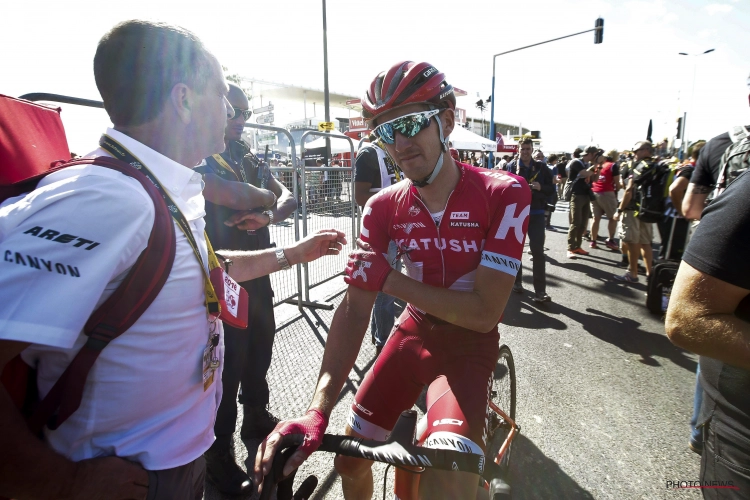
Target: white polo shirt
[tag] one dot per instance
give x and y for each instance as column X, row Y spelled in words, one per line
column 64, row 248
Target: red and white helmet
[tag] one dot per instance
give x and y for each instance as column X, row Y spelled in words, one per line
column 406, row 83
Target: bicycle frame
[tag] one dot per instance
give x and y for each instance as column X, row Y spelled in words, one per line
column 406, row 484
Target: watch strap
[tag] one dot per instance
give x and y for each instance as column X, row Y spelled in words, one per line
column 282, row 260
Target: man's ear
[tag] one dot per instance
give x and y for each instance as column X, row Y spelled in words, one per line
column 181, row 99
column 449, row 121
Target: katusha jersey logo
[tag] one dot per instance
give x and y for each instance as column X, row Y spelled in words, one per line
column 361, row 271
column 511, row 221
column 459, row 215
column 469, row 224
column 414, row 210
column 467, row 246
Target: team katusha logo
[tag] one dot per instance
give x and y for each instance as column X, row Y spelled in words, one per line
column 414, row 210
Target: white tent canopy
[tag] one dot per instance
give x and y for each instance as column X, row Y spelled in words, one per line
column 465, row 139
column 339, row 144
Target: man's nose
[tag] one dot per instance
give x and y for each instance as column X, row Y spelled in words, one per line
column 401, row 141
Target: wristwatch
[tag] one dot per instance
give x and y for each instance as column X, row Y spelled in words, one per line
column 269, row 213
column 281, row 259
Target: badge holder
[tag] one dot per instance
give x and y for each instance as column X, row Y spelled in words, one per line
column 232, row 298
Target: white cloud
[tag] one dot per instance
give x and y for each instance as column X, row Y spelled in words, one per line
column 706, row 33
column 718, row 8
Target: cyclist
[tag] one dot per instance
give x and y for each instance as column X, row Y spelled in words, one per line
column 460, row 231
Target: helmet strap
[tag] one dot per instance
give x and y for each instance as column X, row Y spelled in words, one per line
column 435, row 171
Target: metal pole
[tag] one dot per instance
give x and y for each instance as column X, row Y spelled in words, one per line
column 326, row 93
column 492, row 105
column 492, row 114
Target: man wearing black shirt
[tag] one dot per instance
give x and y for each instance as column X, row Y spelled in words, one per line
column 704, row 176
column 374, row 170
column 709, row 314
column 539, row 178
column 580, row 202
column 236, row 180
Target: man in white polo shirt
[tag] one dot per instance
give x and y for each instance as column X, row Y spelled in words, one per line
column 146, row 416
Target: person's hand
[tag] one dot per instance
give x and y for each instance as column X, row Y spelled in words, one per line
column 314, row 246
column 310, row 427
column 536, row 185
column 248, row 220
column 367, row 269
column 109, row 478
column 616, row 217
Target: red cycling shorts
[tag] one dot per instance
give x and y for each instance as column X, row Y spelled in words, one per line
column 456, row 363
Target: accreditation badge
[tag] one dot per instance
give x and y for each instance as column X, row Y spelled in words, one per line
column 232, row 298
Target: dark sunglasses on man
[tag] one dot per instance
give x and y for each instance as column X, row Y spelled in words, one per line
column 246, row 113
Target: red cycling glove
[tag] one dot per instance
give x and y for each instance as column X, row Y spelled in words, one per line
column 312, row 426
column 367, row 270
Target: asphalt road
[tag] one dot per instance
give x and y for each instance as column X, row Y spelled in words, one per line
column 604, row 398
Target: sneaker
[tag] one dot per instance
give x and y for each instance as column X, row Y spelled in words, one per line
column 517, row 288
column 257, row 422
column 627, row 278
column 610, row 243
column 224, row 473
column 539, row 298
column 587, row 235
column 593, row 244
column 580, row 251
column 572, row 254
column 549, row 228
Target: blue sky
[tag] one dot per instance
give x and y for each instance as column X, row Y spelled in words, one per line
column 572, row 91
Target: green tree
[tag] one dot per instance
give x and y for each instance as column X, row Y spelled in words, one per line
column 239, row 81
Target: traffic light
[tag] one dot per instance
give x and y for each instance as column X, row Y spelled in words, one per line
column 679, row 128
column 599, row 33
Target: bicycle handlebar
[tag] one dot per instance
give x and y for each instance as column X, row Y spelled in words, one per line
column 397, row 450
column 409, row 455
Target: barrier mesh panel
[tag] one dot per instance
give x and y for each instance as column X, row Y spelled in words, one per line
column 329, row 204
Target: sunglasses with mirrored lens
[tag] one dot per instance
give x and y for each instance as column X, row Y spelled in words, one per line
column 246, row 113
column 407, row 125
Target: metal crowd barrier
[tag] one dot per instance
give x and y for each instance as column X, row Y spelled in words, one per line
column 286, row 286
column 328, row 202
column 325, row 201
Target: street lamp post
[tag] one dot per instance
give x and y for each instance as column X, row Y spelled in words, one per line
column 692, row 98
column 598, row 37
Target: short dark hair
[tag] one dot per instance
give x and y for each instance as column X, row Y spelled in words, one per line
column 137, row 63
column 526, row 140
column 552, row 157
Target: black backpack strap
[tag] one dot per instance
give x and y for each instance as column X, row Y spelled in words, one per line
column 117, row 314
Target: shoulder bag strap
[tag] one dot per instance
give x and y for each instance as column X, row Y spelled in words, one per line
column 120, row 311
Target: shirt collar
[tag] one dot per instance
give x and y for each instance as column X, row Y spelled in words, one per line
column 183, row 184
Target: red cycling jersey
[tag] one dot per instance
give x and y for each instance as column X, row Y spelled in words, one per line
column 484, row 224
column 605, row 182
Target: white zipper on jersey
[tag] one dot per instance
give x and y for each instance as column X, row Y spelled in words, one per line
column 437, row 226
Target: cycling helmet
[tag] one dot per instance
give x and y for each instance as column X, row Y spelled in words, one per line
column 407, row 83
